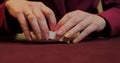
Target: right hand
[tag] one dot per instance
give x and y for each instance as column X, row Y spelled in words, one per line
column 35, row 13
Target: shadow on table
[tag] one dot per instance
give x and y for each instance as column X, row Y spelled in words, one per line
column 11, row 39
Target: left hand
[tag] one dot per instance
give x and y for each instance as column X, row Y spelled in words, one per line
column 37, row 14
column 79, row 21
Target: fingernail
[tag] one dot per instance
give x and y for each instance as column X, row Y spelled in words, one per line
column 29, row 38
column 67, row 35
column 39, row 36
column 75, row 41
column 53, row 27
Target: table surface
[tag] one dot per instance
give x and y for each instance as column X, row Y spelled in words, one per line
column 91, row 51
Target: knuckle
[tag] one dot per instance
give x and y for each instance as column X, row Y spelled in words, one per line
column 69, row 15
column 81, row 25
column 74, row 21
column 40, row 18
column 23, row 25
column 40, row 3
column 50, row 12
column 77, row 11
column 30, row 17
column 17, row 12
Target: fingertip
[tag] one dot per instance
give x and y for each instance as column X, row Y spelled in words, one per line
column 45, row 36
column 52, row 27
column 67, row 35
column 39, row 36
column 29, row 38
column 75, row 41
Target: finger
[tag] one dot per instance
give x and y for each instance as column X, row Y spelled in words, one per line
column 24, row 26
column 33, row 21
column 91, row 28
column 42, row 23
column 76, row 14
column 50, row 16
column 63, row 21
column 66, row 27
column 79, row 27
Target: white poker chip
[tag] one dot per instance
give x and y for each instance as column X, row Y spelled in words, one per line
column 53, row 36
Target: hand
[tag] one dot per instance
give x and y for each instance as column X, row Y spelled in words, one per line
column 80, row 21
column 33, row 13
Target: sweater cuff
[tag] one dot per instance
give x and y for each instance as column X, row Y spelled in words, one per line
column 106, row 32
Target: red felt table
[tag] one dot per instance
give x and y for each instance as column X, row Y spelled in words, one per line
column 91, row 51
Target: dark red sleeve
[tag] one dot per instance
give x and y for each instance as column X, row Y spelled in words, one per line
column 112, row 15
column 3, row 24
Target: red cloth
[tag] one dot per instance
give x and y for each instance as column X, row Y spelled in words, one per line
column 3, row 25
column 60, row 7
column 96, row 51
